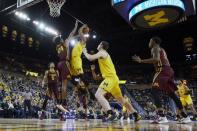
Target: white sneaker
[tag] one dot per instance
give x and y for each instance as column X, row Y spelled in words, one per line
column 122, row 118
column 185, row 120
column 162, row 120
column 128, row 120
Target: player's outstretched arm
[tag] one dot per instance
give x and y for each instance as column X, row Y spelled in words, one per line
column 156, row 57
column 74, row 30
column 93, row 57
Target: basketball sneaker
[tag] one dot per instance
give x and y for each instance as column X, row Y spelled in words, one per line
column 111, row 117
column 122, row 118
column 161, row 120
column 62, row 117
column 185, row 120
column 194, row 118
column 42, row 116
column 128, row 120
column 137, row 117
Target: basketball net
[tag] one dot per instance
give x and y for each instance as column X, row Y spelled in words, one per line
column 55, row 7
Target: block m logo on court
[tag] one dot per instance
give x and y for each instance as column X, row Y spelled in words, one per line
column 156, row 18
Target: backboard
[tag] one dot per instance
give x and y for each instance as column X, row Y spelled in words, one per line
column 21, row 4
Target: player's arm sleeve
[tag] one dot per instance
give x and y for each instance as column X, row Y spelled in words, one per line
column 155, row 57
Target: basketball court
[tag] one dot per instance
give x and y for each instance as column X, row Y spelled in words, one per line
column 91, row 125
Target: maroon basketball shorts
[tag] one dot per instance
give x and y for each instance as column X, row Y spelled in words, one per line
column 164, row 79
column 52, row 91
column 63, row 69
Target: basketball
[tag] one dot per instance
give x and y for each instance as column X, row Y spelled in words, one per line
column 85, row 30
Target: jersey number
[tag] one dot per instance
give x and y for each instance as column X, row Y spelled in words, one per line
column 53, row 77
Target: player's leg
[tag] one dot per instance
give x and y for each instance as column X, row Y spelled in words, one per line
column 178, row 104
column 64, row 92
column 184, row 104
column 100, row 96
column 56, row 96
column 100, row 93
column 191, row 106
column 42, row 116
column 78, row 105
column 85, row 106
column 156, row 95
column 47, row 97
column 45, row 103
column 56, row 93
column 159, row 84
column 122, row 114
column 64, row 73
column 116, row 92
column 171, row 90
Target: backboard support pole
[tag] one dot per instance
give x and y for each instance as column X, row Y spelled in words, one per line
column 25, row 6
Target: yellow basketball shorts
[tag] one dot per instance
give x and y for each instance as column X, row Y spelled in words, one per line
column 76, row 67
column 186, row 100
column 111, row 85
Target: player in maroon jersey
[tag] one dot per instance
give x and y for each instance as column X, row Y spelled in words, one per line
column 63, row 64
column 163, row 78
column 51, row 77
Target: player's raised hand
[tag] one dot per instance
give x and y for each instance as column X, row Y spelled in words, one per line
column 76, row 23
column 136, row 58
column 84, row 25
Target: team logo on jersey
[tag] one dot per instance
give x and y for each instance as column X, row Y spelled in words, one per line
column 105, row 84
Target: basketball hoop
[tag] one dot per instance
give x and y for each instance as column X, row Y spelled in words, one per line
column 55, row 7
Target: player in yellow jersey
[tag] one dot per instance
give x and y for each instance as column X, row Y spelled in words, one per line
column 110, row 84
column 76, row 46
column 185, row 97
column 76, row 49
